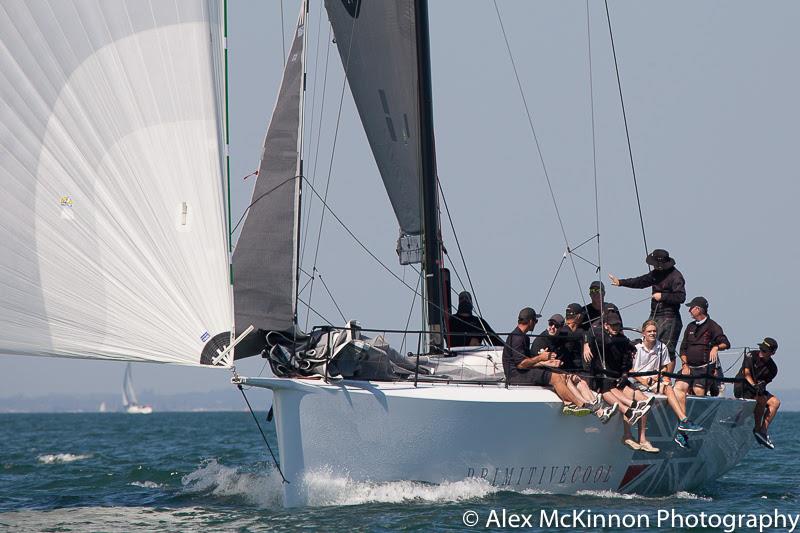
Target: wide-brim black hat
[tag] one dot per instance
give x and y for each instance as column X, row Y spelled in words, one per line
column 660, row 259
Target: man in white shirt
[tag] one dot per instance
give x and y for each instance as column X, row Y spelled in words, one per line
column 651, row 355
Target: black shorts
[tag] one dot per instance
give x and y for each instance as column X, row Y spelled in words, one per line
column 697, row 376
column 540, row 376
column 746, row 391
column 532, row 376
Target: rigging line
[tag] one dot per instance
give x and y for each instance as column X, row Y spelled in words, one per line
column 646, row 298
column 319, row 134
column 584, row 242
column 272, row 190
column 283, row 36
column 333, row 152
column 322, row 280
column 460, row 251
column 410, row 312
column 627, row 132
column 594, row 174
column 538, row 147
column 572, row 252
column 547, row 296
column 272, row 454
column 311, row 309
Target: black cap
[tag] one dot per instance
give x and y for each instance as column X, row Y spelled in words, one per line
column 768, row 345
column 557, row 319
column 659, row 259
column 698, row 301
column 573, row 310
column 613, row 319
column 527, row 313
column 464, row 296
column 597, row 285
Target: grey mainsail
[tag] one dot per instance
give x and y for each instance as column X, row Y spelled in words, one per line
column 377, row 42
column 265, row 258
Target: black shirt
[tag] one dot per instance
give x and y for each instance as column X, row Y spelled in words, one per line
column 698, row 340
column 569, row 347
column 762, row 369
column 465, row 328
column 591, row 316
column 617, row 350
column 517, row 348
column 669, row 283
column 543, row 342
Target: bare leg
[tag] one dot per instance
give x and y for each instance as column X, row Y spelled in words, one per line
column 643, row 430
column 758, row 414
column 772, row 408
column 673, row 402
column 681, row 387
column 559, row 385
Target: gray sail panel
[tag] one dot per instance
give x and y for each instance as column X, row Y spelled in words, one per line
column 265, row 258
column 377, row 44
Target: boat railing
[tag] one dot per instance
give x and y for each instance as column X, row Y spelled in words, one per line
column 424, row 352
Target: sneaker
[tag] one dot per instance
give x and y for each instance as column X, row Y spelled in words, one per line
column 648, row 447
column 606, row 413
column 632, row 444
column 634, row 415
column 574, row 410
column 763, row 439
column 687, row 425
column 682, row 440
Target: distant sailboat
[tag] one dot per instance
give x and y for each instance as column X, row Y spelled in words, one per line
column 129, row 401
column 102, row 408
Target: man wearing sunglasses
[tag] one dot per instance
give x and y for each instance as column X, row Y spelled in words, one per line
column 758, row 370
column 592, row 312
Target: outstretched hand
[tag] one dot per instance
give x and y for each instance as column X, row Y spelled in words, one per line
column 614, row 280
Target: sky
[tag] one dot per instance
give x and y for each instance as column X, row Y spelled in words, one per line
column 710, row 91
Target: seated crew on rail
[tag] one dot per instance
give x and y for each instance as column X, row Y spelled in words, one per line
column 521, row 367
column 569, row 343
column 466, row 329
column 702, row 339
column 610, row 356
column 758, row 370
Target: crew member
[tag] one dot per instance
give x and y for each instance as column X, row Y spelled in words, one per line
column 597, row 307
column 702, row 340
column 758, row 370
column 467, row 329
column 668, row 293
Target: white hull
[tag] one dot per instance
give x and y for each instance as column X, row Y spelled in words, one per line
column 139, row 410
column 513, row 437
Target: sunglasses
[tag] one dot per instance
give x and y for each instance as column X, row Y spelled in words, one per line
column 594, row 291
column 552, row 324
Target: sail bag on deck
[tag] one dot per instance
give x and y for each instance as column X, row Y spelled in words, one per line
column 112, row 168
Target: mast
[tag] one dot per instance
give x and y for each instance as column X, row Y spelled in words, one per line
column 432, row 252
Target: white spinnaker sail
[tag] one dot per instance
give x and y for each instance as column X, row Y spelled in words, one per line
column 111, row 165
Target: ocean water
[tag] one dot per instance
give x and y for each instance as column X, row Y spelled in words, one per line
column 211, row 471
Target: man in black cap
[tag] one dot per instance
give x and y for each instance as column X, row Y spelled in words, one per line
column 467, row 329
column 545, row 341
column 521, row 367
column 668, row 293
column 702, row 339
column 758, row 370
column 597, row 307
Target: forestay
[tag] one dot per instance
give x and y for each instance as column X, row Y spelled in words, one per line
column 112, row 165
column 378, row 47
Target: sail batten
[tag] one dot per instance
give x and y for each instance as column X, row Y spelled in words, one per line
column 111, row 158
